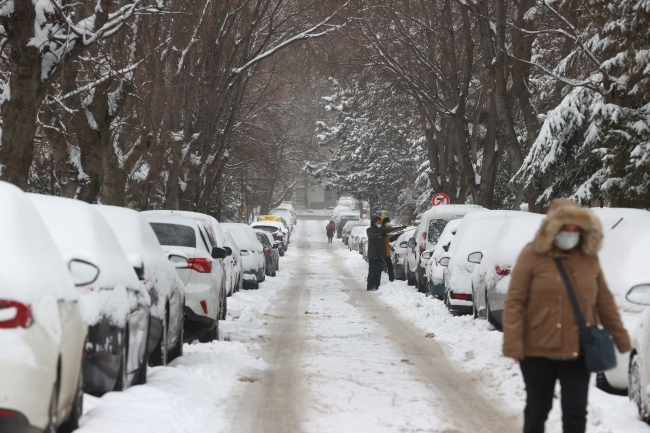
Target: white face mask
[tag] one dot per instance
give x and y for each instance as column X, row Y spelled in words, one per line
column 378, row 225
column 567, row 240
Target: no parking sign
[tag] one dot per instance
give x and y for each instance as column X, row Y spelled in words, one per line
column 440, row 199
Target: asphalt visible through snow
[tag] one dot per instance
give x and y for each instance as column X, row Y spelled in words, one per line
column 339, row 359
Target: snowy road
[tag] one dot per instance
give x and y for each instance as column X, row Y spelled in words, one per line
column 312, row 351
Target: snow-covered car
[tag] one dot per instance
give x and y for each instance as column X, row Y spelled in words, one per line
column 398, row 253
column 42, row 332
column 624, row 258
column 431, row 225
column 215, row 243
column 347, row 229
column 491, row 278
column 139, row 242
column 285, row 224
column 277, row 230
column 270, row 248
column 342, row 219
column 474, row 235
column 434, row 270
column 355, row 238
column 203, row 279
column 286, row 214
column 289, row 207
column 410, row 262
column 252, row 253
column 116, row 306
column 234, row 274
column 338, row 210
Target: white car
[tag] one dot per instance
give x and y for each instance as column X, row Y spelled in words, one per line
column 623, row 258
column 426, row 235
column 116, row 306
column 252, row 252
column 434, row 270
column 234, row 274
column 42, row 332
column 289, row 207
column 279, row 232
column 342, row 219
column 399, row 250
column 491, row 278
column 474, row 235
column 287, row 215
column 204, row 278
column 138, row 240
column 215, row 242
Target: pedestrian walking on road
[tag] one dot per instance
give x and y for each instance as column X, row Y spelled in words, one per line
column 540, row 329
column 377, row 250
column 329, row 228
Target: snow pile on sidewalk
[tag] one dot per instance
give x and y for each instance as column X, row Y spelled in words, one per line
column 475, row 347
column 193, row 393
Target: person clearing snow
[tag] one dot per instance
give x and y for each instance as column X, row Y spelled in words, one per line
column 377, row 250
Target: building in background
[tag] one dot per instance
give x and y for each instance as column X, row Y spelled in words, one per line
column 309, row 194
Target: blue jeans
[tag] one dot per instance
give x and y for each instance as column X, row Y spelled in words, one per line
column 376, row 266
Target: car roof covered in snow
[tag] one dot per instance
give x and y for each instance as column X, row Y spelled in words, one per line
column 212, row 226
column 80, row 231
column 31, row 266
column 625, row 252
column 243, row 235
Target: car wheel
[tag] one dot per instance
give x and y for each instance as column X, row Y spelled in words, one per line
column 159, row 354
column 211, row 334
column 223, row 311
column 474, row 310
column 277, row 265
column 178, row 347
column 490, row 317
column 53, row 410
column 121, row 380
column 410, row 278
column 72, row 423
column 603, row 384
column 635, row 386
column 141, row 378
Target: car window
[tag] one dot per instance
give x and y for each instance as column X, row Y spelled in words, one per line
column 436, row 228
column 204, row 238
column 269, row 229
column 174, row 234
column 263, row 239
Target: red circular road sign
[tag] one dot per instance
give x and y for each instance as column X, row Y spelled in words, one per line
column 440, row 198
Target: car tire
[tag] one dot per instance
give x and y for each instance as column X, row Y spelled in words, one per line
column 223, row 311
column 141, row 378
column 209, row 335
column 410, row 279
column 159, row 354
column 603, row 384
column 121, row 380
column 177, row 351
column 490, row 317
column 53, row 409
column 72, row 423
column 474, row 309
column 635, row 386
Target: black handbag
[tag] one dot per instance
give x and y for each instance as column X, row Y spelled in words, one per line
column 596, row 342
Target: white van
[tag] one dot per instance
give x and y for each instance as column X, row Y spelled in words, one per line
column 428, row 232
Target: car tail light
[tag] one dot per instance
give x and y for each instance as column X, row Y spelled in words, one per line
column 461, row 296
column 204, row 305
column 502, row 271
column 8, row 414
column 280, row 237
column 203, row 266
column 422, row 249
column 266, row 251
column 15, row 314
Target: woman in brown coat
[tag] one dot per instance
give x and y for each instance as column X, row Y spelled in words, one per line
column 539, row 327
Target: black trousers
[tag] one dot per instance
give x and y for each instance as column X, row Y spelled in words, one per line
column 389, row 268
column 375, row 267
column 540, row 375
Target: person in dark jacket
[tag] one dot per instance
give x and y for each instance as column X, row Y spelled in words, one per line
column 377, row 250
column 330, row 231
column 385, row 222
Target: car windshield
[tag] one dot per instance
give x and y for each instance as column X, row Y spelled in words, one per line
column 269, row 229
column 436, row 228
column 263, row 239
column 344, row 220
column 174, row 234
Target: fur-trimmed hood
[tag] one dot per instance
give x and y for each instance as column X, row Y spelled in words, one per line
column 561, row 212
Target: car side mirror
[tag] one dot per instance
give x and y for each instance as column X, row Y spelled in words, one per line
column 445, row 248
column 138, row 265
column 426, row 255
column 243, row 252
column 276, row 245
column 228, row 250
column 475, row 257
column 403, row 244
column 178, row 259
column 82, row 272
column 219, row 253
column 639, row 294
column 444, row 261
column 411, row 243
